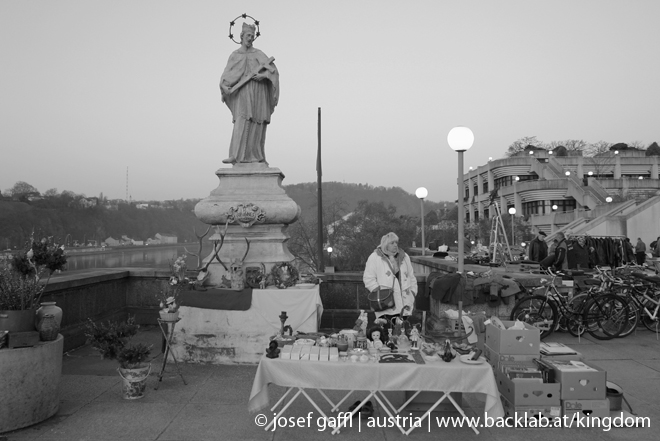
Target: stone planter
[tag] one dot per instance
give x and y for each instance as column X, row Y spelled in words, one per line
column 17, row 321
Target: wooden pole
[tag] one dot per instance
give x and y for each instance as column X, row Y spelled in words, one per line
column 319, row 173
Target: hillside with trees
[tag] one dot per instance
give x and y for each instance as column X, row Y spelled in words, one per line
column 73, row 217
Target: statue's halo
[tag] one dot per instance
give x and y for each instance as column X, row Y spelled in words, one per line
column 233, row 22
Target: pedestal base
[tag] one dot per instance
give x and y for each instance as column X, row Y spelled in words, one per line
column 251, row 201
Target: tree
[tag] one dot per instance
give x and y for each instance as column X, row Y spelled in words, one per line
column 303, row 242
column 21, row 190
column 639, row 145
column 362, row 231
column 51, row 193
column 597, row 148
column 653, row 150
column 520, row 144
column 574, row 145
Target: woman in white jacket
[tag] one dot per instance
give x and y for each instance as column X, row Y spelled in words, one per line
column 390, row 267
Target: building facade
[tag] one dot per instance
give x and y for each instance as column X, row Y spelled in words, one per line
column 553, row 192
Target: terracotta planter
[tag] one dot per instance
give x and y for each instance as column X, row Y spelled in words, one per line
column 17, row 321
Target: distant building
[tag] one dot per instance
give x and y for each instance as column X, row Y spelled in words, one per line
column 142, row 206
column 137, row 242
column 166, row 238
column 112, row 242
column 88, row 202
column 614, row 193
column 151, row 241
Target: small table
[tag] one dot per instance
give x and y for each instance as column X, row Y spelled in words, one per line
column 375, row 378
column 169, row 336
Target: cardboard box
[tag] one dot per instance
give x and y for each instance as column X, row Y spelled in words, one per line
column 513, row 341
column 334, row 354
column 579, row 384
column 527, row 414
column 295, row 352
column 559, row 348
column 572, row 409
column 314, row 353
column 528, row 392
column 304, row 352
column 324, row 355
column 495, row 359
column 285, row 352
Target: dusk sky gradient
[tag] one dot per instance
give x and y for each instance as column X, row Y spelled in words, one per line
column 89, row 88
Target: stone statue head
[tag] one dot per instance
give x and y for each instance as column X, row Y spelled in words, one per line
column 247, row 34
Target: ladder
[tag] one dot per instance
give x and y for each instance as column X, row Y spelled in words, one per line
column 496, row 248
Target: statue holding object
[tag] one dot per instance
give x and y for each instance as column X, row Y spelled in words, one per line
column 250, row 87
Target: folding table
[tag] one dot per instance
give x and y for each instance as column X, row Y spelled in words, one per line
column 375, row 378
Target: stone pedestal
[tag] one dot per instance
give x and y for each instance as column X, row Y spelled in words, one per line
column 250, row 200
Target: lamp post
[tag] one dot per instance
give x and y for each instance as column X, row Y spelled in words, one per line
column 421, row 193
column 460, row 139
column 330, row 268
column 512, row 212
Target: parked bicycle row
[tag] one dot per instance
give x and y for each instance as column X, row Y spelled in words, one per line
column 609, row 304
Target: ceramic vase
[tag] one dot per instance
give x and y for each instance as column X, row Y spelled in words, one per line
column 48, row 328
column 49, row 308
column 169, row 316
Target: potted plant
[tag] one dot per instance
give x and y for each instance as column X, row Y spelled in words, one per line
column 112, row 339
column 169, row 298
column 23, row 280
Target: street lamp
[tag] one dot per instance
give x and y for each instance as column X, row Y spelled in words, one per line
column 421, row 193
column 608, row 199
column 330, row 267
column 460, row 139
column 512, row 212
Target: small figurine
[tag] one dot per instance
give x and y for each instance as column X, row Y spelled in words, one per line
column 273, row 351
column 361, row 323
column 375, row 336
column 397, row 326
column 448, row 354
column 414, row 337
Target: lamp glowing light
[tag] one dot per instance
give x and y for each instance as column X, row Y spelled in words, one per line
column 608, row 199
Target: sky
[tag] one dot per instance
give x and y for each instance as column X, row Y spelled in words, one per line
column 92, row 89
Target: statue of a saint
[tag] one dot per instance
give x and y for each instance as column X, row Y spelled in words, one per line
column 250, row 87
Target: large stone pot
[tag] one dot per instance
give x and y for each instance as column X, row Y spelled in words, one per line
column 17, row 321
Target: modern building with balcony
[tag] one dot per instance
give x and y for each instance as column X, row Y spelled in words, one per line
column 614, row 193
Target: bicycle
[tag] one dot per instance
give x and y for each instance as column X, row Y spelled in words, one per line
column 643, row 296
column 594, row 311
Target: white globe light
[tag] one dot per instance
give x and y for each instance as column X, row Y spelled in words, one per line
column 567, row 173
column 616, row 152
column 549, row 152
column 590, row 173
column 554, row 207
column 490, row 158
column 329, row 249
column 531, row 152
column 641, row 177
column 517, row 178
column 460, row 139
column 512, row 211
column 523, row 244
column 421, row 192
column 608, row 199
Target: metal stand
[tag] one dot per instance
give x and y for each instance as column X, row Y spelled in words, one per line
column 169, row 336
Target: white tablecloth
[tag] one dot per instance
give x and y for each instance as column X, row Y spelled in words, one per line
column 432, row 376
column 302, row 306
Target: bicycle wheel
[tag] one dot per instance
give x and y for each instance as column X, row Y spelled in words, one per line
column 574, row 320
column 652, row 324
column 538, row 311
column 633, row 318
column 605, row 316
